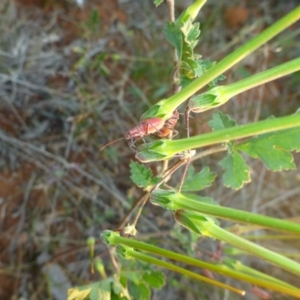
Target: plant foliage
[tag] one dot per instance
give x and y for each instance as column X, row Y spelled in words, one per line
column 200, row 214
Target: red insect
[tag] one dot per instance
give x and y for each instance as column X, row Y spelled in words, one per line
column 146, row 127
column 155, row 126
column 169, row 126
column 261, row 293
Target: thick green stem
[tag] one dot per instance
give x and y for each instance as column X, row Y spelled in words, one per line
column 219, row 95
column 174, row 201
column 260, row 279
column 196, row 222
column 165, row 107
column 261, row 78
column 191, row 11
column 166, row 149
column 151, row 260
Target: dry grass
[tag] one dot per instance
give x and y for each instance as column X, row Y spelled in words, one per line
column 70, row 83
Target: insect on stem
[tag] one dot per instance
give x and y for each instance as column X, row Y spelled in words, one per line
column 153, row 126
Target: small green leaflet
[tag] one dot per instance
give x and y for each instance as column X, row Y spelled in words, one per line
column 214, row 82
column 221, row 121
column 188, row 58
column 118, row 288
column 141, row 281
column 93, row 291
column 273, row 148
column 183, row 36
column 140, row 291
column 107, row 289
column 202, row 102
column 237, row 172
column 174, row 36
column 80, row 293
column 198, row 181
column 206, row 64
column 191, row 32
column 132, row 275
column 158, row 2
column 155, row 279
column 197, row 69
column 103, row 291
column 142, row 176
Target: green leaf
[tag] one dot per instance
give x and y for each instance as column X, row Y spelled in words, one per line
column 140, row 291
column 174, row 36
column 189, row 65
column 158, row 2
column 93, row 291
column 221, row 121
column 203, row 102
column 191, row 32
column 77, row 293
column 142, row 176
column 198, row 181
column 184, row 80
column 117, row 287
column 134, row 276
column 199, row 70
column 237, row 172
column 103, row 290
column 206, row 65
column 119, row 291
column 117, row 297
column 123, row 281
column 216, row 80
column 272, row 148
column 155, row 279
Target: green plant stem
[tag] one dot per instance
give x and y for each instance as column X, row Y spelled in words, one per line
column 197, row 223
column 130, row 253
column 234, row 133
column 219, row 95
column 166, row 149
column 167, row 106
column 174, row 201
column 238, row 266
column 261, row 78
column 191, row 11
column 259, row 279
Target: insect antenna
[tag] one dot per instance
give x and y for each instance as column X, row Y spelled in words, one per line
column 112, row 142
